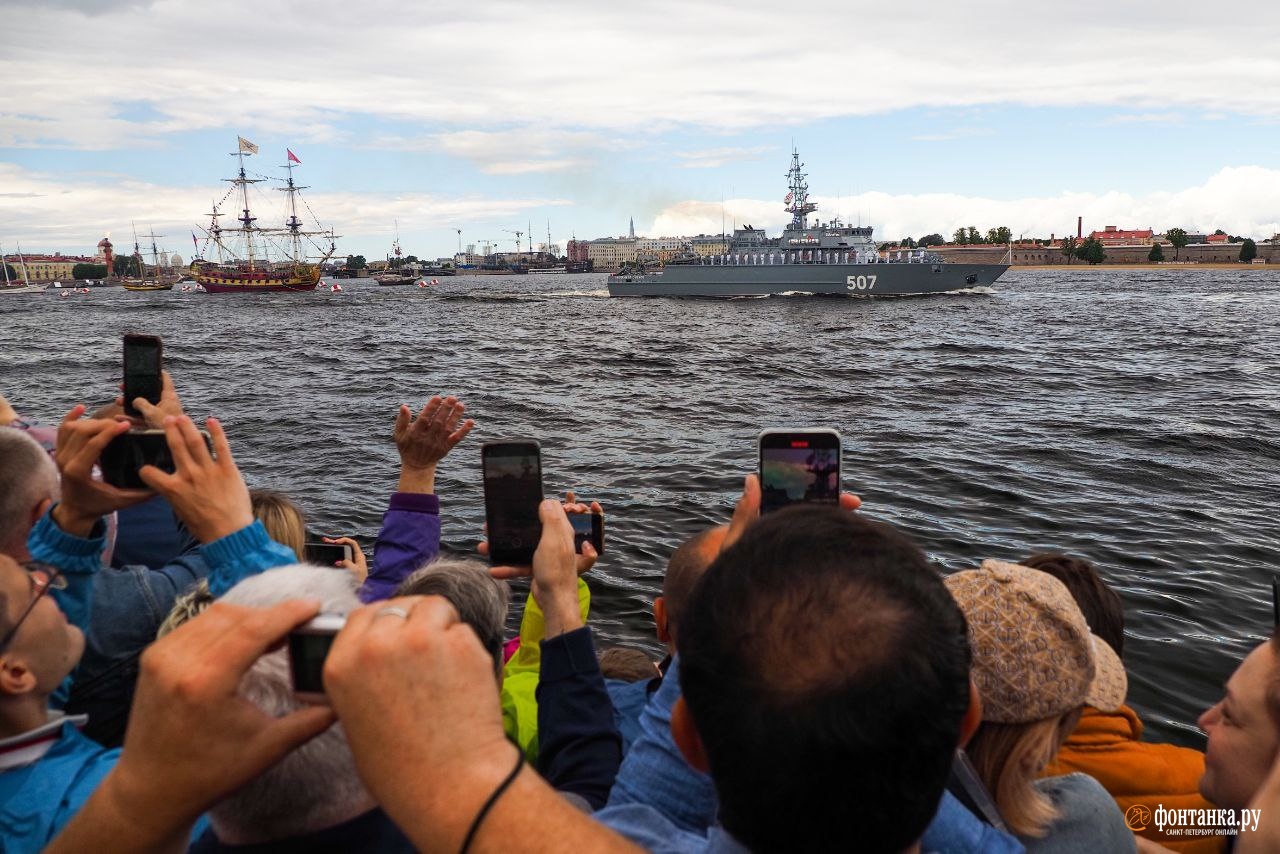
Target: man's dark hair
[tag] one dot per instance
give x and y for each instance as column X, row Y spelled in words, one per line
column 1101, row 606
column 826, row 668
column 684, row 568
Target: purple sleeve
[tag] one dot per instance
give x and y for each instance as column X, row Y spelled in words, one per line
column 409, row 539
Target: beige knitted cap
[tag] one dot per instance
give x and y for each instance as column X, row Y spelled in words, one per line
column 1033, row 654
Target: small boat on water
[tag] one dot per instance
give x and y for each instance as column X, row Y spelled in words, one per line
column 394, row 275
column 244, row 262
column 157, row 279
column 11, row 286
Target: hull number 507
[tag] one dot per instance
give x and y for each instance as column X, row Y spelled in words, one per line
column 862, row 283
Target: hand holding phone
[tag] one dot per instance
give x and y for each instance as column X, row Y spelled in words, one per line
column 512, row 491
column 309, row 646
column 327, row 554
column 142, row 369
column 130, row 451
column 799, row 466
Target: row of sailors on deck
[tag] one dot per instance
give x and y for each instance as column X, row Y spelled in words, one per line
column 811, row 256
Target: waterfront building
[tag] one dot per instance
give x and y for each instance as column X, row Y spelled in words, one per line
column 577, row 250
column 1112, row 236
column 609, row 253
column 661, row 249
column 705, row 245
column 46, row 268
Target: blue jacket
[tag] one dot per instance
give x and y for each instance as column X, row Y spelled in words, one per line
column 119, row 610
column 37, row 800
column 409, row 540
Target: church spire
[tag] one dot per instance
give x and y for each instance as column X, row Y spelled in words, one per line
column 631, row 230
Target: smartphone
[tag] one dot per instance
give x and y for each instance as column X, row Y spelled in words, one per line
column 799, row 466
column 141, row 370
column 326, row 554
column 512, row 492
column 128, row 452
column 308, row 648
column 587, row 528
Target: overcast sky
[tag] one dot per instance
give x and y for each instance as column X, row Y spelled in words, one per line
column 487, row 116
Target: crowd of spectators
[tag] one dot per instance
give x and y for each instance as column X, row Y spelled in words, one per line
column 824, row 686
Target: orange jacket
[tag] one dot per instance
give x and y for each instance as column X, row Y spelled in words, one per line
column 1108, row 747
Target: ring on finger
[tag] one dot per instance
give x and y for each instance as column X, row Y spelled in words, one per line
column 393, row 611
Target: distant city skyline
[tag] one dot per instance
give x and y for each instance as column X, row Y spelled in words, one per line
column 498, row 118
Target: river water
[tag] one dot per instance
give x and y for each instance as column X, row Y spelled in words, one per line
column 1130, row 417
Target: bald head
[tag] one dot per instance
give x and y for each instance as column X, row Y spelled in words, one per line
column 685, row 567
column 28, row 481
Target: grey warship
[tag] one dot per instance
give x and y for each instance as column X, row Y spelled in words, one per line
column 829, row 259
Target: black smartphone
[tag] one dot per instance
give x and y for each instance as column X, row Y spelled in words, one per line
column 142, row 358
column 512, row 492
column 326, row 554
column 799, row 466
column 587, row 528
column 128, row 452
column 309, row 646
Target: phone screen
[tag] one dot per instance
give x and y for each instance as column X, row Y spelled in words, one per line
column 587, row 528
column 141, row 370
column 799, row 467
column 512, row 491
column 326, row 554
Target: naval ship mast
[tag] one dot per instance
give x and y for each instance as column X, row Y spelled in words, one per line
column 798, row 204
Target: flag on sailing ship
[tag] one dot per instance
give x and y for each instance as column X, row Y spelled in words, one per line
column 790, row 196
column 194, row 242
column 247, row 147
column 293, row 156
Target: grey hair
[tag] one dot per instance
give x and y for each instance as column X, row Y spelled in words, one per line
column 316, row 786
column 27, row 477
column 480, row 598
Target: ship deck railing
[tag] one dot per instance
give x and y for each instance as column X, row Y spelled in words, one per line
column 769, row 259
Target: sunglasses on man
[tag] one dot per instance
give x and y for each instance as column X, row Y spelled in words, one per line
column 43, row 578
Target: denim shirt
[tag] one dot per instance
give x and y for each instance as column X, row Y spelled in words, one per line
column 655, row 773
column 119, row 610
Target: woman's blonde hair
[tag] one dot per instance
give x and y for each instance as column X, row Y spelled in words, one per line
column 284, row 520
column 1010, row 758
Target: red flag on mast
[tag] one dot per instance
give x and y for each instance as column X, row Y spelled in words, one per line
column 293, row 157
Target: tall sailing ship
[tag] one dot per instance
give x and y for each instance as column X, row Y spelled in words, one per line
column 158, row 280
column 244, row 255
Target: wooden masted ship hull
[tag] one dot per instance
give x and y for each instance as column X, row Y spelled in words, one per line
column 302, row 277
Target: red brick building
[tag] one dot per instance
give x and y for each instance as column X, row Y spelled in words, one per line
column 577, row 250
column 1112, row 236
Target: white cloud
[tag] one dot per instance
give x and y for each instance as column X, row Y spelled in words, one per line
column 1240, row 200
column 314, row 73
column 948, row 135
column 711, row 158
column 67, row 212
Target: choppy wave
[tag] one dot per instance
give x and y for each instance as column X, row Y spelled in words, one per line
column 1108, row 416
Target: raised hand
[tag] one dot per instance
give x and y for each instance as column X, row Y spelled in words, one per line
column 207, row 494
column 84, row 499
column 153, row 414
column 426, row 440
